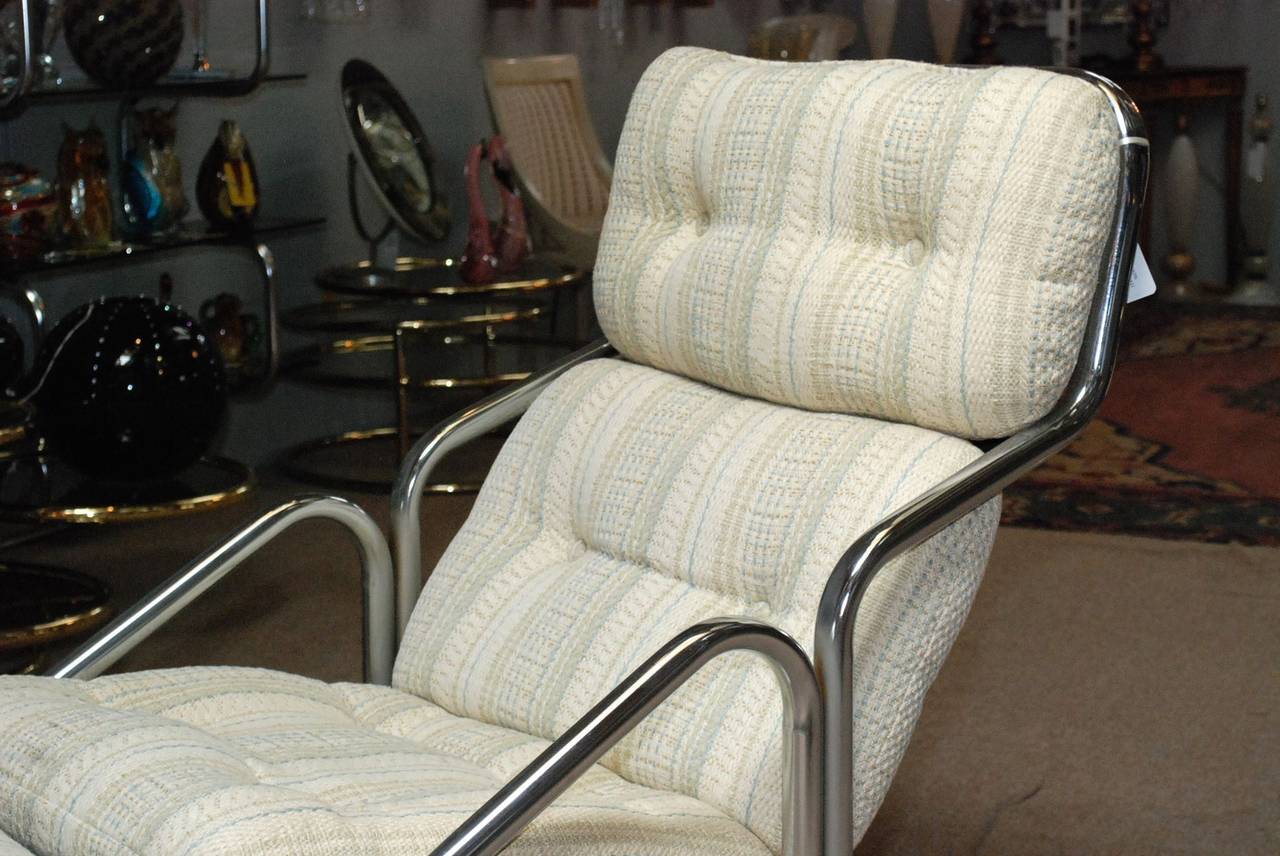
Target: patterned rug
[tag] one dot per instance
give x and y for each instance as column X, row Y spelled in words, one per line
column 1187, row 444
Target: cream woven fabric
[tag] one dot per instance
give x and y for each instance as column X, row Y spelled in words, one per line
column 888, row 242
column 628, row 504
column 892, row 239
column 242, row 762
column 631, row 503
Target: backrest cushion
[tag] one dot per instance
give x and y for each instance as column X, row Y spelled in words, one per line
column 891, row 239
column 631, row 503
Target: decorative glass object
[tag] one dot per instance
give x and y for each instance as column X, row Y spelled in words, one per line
column 880, row 16
column 1182, row 193
column 613, row 18
column 27, row 212
column 945, row 17
column 1063, row 26
column 982, row 41
column 153, row 198
column 1258, row 195
column 129, row 390
column 124, row 44
column 227, row 186
column 200, row 34
column 84, row 190
column 1142, row 38
column 46, row 24
column 12, row 354
column 336, row 11
column 45, row 27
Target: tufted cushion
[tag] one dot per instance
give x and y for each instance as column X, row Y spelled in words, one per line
column 630, row 503
column 246, row 762
column 891, row 239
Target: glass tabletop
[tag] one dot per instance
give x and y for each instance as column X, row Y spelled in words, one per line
column 430, row 277
column 38, row 488
column 40, row 604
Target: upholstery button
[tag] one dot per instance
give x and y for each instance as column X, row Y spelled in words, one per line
column 915, row 251
column 703, row 223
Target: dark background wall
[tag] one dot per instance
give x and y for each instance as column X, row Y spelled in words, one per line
column 431, row 51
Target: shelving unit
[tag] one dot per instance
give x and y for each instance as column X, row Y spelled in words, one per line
column 189, row 85
column 214, row 85
column 15, row 276
column 40, row 491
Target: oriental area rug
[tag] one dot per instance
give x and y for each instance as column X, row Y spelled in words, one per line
column 1187, row 444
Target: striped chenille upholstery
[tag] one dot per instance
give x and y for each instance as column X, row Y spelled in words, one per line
column 233, row 761
column 821, row 277
column 888, row 238
column 631, row 503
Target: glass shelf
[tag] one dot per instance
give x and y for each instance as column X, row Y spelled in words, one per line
column 212, row 85
column 190, row 234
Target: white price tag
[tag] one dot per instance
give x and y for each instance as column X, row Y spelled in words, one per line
column 1141, row 282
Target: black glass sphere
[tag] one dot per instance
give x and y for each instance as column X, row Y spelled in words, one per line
column 129, row 390
column 123, row 44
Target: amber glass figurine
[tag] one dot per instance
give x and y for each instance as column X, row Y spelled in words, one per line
column 227, row 186
column 84, row 191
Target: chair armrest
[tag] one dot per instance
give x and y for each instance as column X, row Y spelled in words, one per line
column 170, row 597
column 984, row 478
column 492, row 827
column 459, row 429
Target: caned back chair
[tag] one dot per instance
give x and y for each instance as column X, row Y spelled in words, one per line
column 539, row 107
column 820, row 285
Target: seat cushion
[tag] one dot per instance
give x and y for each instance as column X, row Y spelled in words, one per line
column 630, row 503
column 247, row 761
column 891, row 239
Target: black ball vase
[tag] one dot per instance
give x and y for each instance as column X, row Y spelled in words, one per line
column 129, row 390
column 123, row 44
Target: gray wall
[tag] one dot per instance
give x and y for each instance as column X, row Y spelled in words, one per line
column 431, row 51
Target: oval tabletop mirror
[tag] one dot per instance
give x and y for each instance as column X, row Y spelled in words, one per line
column 392, row 148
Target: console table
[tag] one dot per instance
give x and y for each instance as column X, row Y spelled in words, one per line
column 1187, row 88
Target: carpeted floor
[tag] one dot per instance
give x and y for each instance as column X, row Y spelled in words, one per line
column 1188, row 437
column 1109, row 695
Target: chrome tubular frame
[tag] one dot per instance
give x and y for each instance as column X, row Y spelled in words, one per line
column 978, row 482
column 148, row 615
column 498, row 821
column 262, row 63
column 461, row 428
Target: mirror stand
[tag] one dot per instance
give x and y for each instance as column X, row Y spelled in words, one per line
column 353, row 200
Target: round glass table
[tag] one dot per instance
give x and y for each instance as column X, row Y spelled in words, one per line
column 41, row 605
column 39, row 488
column 415, row 329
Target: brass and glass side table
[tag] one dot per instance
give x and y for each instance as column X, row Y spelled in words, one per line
column 417, row 331
column 41, row 605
